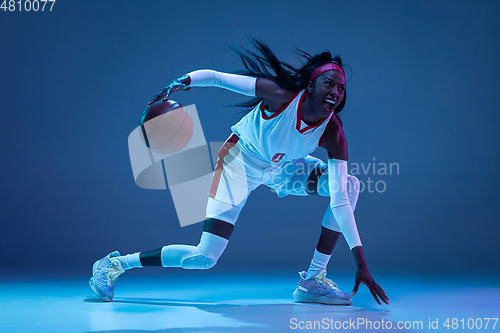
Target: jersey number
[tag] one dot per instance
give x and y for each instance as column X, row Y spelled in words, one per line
column 277, row 157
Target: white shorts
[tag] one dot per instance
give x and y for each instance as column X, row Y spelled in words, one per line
column 238, row 173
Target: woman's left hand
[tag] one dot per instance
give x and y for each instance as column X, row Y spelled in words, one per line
column 363, row 276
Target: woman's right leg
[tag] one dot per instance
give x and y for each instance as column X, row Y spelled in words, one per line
column 228, row 194
column 212, row 244
column 214, row 239
column 217, row 229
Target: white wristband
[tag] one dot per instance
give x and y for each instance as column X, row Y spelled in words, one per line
column 241, row 84
column 339, row 202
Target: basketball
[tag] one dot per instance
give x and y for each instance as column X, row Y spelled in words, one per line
column 167, row 127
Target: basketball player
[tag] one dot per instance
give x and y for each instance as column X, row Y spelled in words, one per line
column 294, row 111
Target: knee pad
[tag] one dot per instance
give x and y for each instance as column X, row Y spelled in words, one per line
column 203, row 256
column 329, row 221
column 198, row 261
column 207, row 253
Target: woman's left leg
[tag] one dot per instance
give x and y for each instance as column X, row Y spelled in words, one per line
column 330, row 230
column 303, row 177
column 309, row 176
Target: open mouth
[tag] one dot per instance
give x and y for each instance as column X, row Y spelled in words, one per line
column 329, row 105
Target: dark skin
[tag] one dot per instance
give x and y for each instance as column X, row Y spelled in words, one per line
column 323, row 96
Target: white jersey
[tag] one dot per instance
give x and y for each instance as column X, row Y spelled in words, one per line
column 282, row 136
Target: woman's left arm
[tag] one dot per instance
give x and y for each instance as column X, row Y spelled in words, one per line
column 335, row 143
column 363, row 276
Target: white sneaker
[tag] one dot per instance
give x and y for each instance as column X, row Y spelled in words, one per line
column 105, row 273
column 319, row 289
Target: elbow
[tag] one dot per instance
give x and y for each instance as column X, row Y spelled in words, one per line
column 338, row 154
column 335, row 206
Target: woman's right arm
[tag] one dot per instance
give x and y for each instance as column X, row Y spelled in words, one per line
column 272, row 93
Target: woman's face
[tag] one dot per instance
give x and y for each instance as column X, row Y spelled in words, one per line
column 327, row 92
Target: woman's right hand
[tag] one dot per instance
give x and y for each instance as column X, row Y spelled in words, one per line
column 363, row 276
column 182, row 83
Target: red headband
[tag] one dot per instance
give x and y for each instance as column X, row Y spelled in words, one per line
column 326, row 67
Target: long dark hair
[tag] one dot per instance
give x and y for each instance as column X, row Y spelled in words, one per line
column 266, row 64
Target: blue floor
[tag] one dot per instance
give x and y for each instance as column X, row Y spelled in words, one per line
column 246, row 303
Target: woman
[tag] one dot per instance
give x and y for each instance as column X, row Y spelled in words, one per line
column 294, row 112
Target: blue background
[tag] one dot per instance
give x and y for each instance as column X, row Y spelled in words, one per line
column 423, row 94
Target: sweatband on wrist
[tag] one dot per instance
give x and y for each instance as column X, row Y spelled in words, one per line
column 241, row 84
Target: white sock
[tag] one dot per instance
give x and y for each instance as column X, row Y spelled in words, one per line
column 318, row 264
column 130, row 261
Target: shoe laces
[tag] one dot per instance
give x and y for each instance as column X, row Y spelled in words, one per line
column 326, row 281
column 112, row 273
